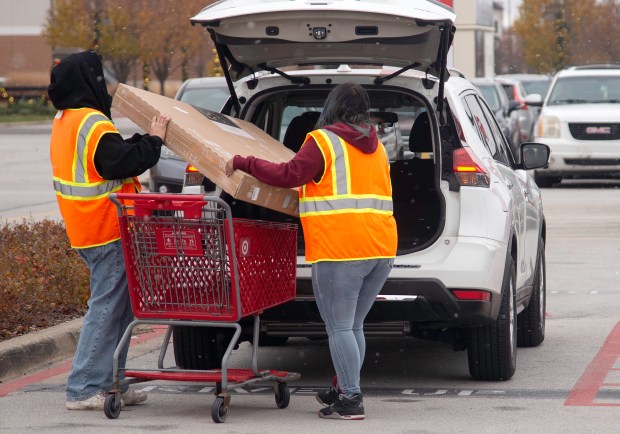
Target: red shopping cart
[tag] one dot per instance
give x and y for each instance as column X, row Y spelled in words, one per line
column 189, row 263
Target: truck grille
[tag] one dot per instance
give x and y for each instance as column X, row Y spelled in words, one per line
column 590, row 131
column 593, row 161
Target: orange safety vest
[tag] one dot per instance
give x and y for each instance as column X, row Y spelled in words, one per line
column 90, row 217
column 348, row 213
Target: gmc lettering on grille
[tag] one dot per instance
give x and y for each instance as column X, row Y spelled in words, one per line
column 598, row 130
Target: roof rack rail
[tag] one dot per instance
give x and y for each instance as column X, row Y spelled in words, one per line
column 597, row 66
column 455, row 72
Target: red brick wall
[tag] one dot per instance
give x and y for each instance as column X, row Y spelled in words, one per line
column 25, row 60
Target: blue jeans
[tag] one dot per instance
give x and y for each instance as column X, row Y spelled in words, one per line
column 109, row 314
column 344, row 293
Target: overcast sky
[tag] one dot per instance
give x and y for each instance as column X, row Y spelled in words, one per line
column 512, row 9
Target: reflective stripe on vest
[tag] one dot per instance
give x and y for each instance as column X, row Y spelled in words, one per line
column 347, row 214
column 342, row 201
column 82, row 194
column 90, row 191
column 80, row 188
column 81, row 150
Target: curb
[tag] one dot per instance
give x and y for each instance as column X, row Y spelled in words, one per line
column 35, row 350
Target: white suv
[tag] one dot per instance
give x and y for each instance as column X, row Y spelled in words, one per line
column 580, row 121
column 470, row 267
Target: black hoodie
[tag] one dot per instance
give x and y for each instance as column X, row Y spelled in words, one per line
column 78, row 82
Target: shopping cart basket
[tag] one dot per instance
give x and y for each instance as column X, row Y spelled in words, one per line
column 189, row 263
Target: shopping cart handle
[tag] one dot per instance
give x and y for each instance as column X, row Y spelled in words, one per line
column 145, row 204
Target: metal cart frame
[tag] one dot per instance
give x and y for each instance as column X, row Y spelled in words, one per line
column 171, row 240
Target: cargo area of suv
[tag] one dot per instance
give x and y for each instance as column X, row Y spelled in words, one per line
column 403, row 123
column 417, row 202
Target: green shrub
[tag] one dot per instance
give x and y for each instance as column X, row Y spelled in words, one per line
column 44, row 281
column 25, row 109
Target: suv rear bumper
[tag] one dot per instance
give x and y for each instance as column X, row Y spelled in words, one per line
column 421, row 303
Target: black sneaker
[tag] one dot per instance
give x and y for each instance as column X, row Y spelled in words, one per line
column 328, row 397
column 345, row 408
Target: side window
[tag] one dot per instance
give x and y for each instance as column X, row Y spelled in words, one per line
column 508, row 90
column 262, row 117
column 480, row 124
column 287, row 116
column 501, row 154
column 296, row 123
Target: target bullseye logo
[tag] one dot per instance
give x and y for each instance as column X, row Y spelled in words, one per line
column 245, row 247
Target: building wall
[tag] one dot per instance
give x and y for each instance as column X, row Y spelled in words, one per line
column 25, row 56
column 473, row 48
column 498, row 18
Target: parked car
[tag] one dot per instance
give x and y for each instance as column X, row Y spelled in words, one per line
column 502, row 107
column 206, row 92
column 580, row 121
column 534, row 84
column 523, row 116
column 470, row 266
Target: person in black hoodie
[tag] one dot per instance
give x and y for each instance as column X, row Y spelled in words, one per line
column 345, row 207
column 91, row 160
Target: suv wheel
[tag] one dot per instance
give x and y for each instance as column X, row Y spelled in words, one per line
column 492, row 349
column 531, row 322
column 545, row 181
column 200, row 347
column 270, row 341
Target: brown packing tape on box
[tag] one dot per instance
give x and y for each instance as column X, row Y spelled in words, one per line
column 207, row 140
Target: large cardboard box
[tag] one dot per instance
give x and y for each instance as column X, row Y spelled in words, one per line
column 207, row 140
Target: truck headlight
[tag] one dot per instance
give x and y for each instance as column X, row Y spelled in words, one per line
column 549, row 127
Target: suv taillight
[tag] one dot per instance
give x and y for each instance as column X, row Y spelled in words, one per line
column 468, row 169
column 192, row 176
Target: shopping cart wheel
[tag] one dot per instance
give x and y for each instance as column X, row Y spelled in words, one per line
column 112, row 407
column 283, row 394
column 219, row 410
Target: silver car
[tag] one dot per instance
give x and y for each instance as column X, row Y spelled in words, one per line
column 209, row 93
column 502, row 107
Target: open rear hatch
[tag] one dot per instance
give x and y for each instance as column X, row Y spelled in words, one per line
column 270, row 35
column 282, row 35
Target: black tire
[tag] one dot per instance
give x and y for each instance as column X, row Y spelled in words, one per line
column 219, row 410
column 282, row 394
column 531, row 321
column 492, row 349
column 112, row 406
column 200, row 348
column 545, row 181
column 271, row 341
